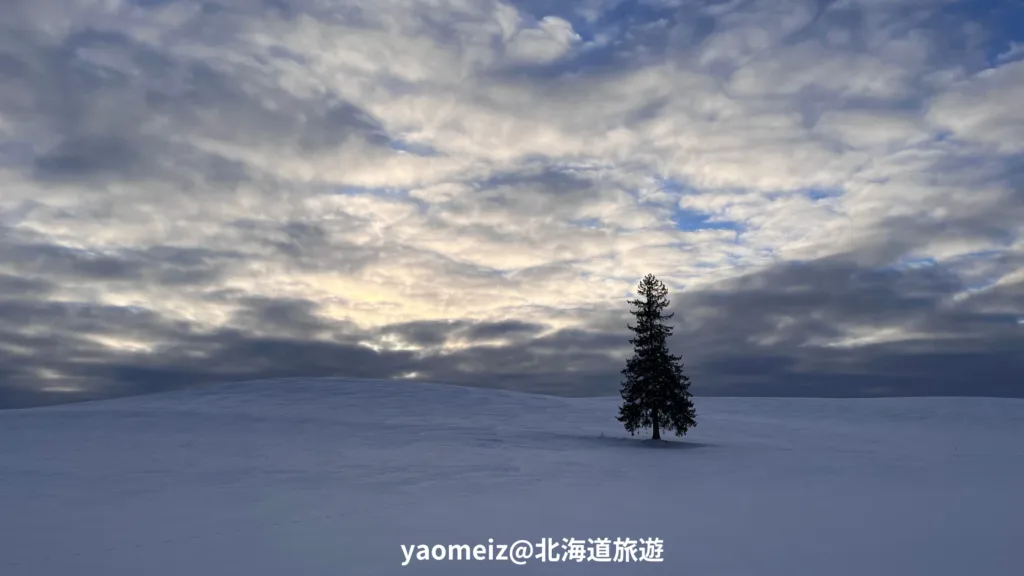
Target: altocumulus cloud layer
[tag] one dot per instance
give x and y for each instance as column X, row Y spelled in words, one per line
column 468, row 191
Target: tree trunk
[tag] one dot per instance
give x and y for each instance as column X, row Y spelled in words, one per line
column 657, row 431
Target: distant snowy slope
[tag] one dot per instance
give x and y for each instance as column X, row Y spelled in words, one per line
column 332, row 477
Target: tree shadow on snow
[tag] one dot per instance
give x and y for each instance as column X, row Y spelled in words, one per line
column 634, row 442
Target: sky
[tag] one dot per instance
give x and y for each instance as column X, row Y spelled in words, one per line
column 468, row 191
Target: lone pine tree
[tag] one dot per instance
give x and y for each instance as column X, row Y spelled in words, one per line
column 656, row 393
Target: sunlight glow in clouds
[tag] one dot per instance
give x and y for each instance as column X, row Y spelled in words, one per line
column 467, row 190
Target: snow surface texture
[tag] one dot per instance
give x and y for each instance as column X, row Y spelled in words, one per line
column 331, row 477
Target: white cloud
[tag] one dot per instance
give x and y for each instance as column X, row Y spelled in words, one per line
column 1013, row 52
column 986, row 108
column 813, row 66
column 754, row 29
column 873, row 129
column 551, row 39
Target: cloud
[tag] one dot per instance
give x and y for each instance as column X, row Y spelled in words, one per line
column 982, row 109
column 551, row 39
column 469, row 191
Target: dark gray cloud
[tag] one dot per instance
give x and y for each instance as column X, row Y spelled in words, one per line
column 164, row 265
column 505, row 329
column 792, row 322
column 749, row 336
column 309, row 246
column 18, row 286
column 425, row 332
column 431, row 333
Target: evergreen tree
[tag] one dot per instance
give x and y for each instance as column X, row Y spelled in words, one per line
column 656, row 393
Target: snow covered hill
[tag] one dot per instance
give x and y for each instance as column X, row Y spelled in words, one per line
column 333, row 477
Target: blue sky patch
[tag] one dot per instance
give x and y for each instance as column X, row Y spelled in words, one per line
column 691, row 220
column 823, row 193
